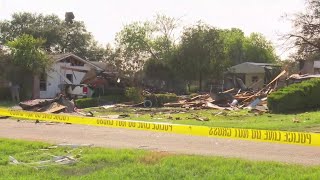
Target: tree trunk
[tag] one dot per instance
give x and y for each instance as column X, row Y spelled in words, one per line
column 36, row 87
column 200, row 81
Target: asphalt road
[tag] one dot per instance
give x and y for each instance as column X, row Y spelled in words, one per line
column 173, row 143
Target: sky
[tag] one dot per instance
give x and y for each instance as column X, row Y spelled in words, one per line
column 104, row 18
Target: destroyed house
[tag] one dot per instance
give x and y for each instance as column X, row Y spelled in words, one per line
column 67, row 69
column 309, row 67
column 251, row 75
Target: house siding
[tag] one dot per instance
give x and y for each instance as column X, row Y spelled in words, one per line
column 55, row 79
column 248, row 80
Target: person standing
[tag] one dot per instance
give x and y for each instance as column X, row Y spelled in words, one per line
column 15, row 89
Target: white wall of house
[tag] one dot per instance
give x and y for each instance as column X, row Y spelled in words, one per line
column 254, row 80
column 57, row 76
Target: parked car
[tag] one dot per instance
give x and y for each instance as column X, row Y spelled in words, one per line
column 79, row 91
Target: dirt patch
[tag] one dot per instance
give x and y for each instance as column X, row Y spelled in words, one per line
column 153, row 157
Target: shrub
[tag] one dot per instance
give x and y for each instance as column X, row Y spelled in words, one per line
column 194, row 89
column 131, row 95
column 5, row 94
column 159, row 100
column 93, row 102
column 134, row 94
column 296, row 97
column 86, row 102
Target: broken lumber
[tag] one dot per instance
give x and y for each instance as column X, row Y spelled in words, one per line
column 55, row 107
column 230, row 90
column 275, row 79
column 213, row 106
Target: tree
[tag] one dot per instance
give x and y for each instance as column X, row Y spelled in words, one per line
column 28, row 54
column 258, row 49
column 140, row 42
column 133, row 47
column 6, row 64
column 201, row 53
column 60, row 36
column 76, row 39
column 37, row 25
column 255, row 48
column 234, row 45
column 305, row 36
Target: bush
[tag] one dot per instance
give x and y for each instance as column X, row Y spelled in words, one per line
column 5, row 94
column 94, row 102
column 86, row 102
column 296, row 97
column 134, row 94
column 158, row 100
column 194, row 89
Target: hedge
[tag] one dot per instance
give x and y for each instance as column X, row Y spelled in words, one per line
column 134, row 94
column 94, row 102
column 158, row 100
column 296, row 97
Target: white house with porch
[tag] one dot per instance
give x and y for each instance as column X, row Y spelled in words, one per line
column 67, row 69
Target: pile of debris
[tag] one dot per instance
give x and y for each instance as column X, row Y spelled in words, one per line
column 72, row 154
column 231, row 99
column 56, row 105
column 223, row 101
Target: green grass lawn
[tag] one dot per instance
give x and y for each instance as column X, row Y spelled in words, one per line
column 309, row 121
column 100, row 163
column 6, row 104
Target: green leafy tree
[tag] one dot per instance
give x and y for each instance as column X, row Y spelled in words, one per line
column 201, row 53
column 258, row 49
column 28, row 54
column 133, row 47
column 255, row 48
column 234, row 45
column 146, row 45
column 37, row 25
column 60, row 36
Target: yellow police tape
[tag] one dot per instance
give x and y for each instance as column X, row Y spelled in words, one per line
column 299, row 138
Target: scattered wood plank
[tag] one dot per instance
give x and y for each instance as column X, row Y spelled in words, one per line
column 213, row 106
column 55, row 107
column 230, row 90
column 267, row 86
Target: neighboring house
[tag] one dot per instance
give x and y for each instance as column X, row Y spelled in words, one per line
column 67, row 70
column 309, row 67
column 253, row 75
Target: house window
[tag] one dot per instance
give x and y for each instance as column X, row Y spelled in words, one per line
column 254, row 79
column 69, row 77
column 43, row 82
